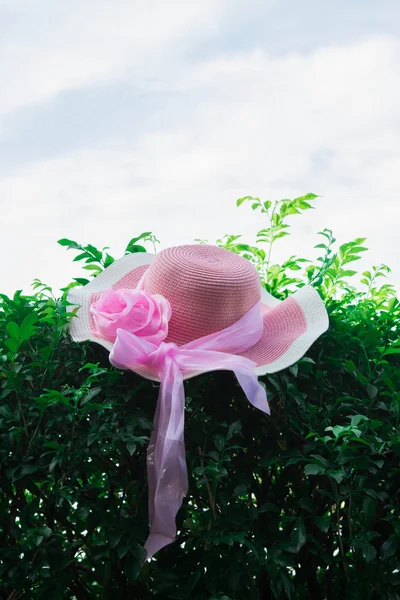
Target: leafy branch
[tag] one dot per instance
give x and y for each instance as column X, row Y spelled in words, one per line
column 277, row 213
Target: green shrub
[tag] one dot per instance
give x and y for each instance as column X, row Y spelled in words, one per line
column 304, row 504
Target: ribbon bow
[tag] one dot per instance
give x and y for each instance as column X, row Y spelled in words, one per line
column 166, row 464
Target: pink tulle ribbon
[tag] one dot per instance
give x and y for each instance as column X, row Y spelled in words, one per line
column 166, row 464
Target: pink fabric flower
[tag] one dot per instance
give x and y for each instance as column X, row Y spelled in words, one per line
column 135, row 311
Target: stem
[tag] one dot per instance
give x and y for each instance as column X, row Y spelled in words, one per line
column 338, row 529
column 349, row 517
column 339, row 536
column 34, row 433
column 368, row 363
column 22, row 413
column 271, row 240
column 210, row 494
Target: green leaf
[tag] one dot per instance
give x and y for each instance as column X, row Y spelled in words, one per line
column 348, row 259
column 307, row 360
column 139, row 553
column 115, row 538
column 372, row 390
column 55, row 461
column 13, row 330
column 81, row 256
column 131, row 568
column 240, row 201
column 312, row 469
column 108, row 260
column 337, row 475
column 369, row 552
column 122, row 550
column 27, row 330
column 5, row 411
column 66, row 242
column 322, row 523
column 279, row 235
column 251, row 547
column 320, row 459
column 356, row 420
column 133, row 242
column 308, row 196
column 350, row 365
column 136, row 248
column 214, row 455
column 48, row 320
column 81, row 281
column 54, row 445
column 144, row 423
column 288, row 585
column 97, row 254
column 131, row 447
column 219, row 442
column 234, row 428
column 45, row 532
column 29, row 320
column 299, row 536
column 355, row 249
column 240, row 489
column 11, row 344
column 345, row 273
column 369, row 508
column 28, row 469
column 391, row 351
column 388, row 548
column 92, row 437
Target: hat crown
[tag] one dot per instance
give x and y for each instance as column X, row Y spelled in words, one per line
column 209, row 288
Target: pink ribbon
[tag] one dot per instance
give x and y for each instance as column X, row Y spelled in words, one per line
column 166, row 464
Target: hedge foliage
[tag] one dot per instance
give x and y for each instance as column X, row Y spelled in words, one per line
column 302, row 504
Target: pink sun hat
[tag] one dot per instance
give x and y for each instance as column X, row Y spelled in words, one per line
column 186, row 311
column 208, row 288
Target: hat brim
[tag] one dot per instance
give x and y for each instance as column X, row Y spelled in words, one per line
column 291, row 326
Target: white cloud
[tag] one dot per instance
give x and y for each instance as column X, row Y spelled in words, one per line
column 325, row 121
column 52, row 47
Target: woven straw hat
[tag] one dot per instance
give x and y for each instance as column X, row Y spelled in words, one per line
column 209, row 288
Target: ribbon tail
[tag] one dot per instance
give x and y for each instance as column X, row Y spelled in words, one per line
column 255, row 392
column 166, row 464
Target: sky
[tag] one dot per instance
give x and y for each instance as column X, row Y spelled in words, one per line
column 129, row 116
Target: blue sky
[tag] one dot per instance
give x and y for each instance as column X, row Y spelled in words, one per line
column 116, row 118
